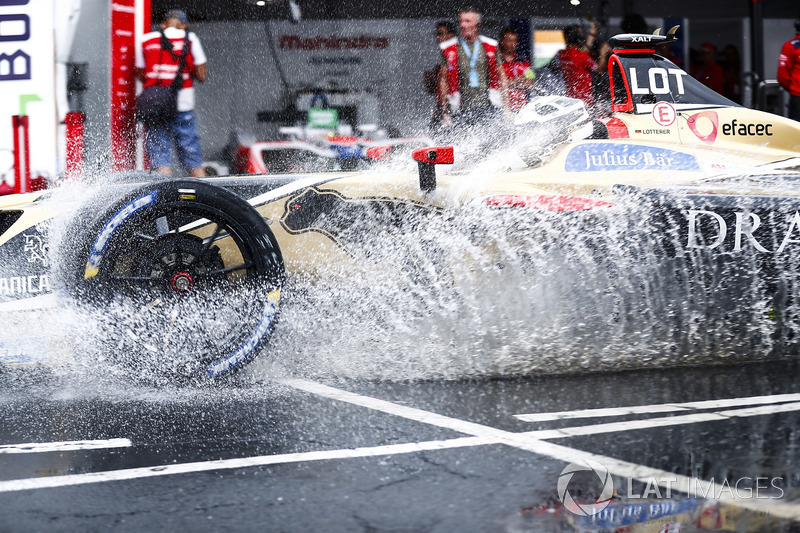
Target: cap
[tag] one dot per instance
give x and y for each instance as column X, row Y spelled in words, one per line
column 177, row 14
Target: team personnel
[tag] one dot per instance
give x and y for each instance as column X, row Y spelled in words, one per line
column 517, row 69
column 577, row 66
column 471, row 86
column 445, row 30
column 157, row 65
column 789, row 71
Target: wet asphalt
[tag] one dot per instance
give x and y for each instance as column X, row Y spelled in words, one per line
column 308, row 455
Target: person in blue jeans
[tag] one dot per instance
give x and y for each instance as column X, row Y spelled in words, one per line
column 156, row 64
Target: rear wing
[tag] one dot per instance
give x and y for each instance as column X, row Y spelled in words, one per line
column 640, row 77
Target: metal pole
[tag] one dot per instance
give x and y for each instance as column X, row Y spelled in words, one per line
column 757, row 33
column 22, row 158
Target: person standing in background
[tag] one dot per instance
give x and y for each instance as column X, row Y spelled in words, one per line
column 789, row 71
column 157, row 63
column 472, row 87
column 577, row 66
column 517, row 69
column 445, row 30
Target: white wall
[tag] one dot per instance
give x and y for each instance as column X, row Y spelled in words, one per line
column 244, row 79
column 92, row 46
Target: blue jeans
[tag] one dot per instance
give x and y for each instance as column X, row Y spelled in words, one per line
column 158, row 143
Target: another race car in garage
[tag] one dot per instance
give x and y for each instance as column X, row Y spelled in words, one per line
column 308, row 149
column 684, row 204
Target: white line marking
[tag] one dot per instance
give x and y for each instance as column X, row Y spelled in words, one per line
column 412, row 413
column 691, row 486
column 481, row 435
column 613, row 427
column 658, row 408
column 63, row 446
column 227, row 464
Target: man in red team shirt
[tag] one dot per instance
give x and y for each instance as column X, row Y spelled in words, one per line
column 577, row 66
column 517, row 68
column 156, row 65
column 789, row 71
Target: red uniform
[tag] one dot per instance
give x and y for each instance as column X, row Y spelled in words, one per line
column 161, row 67
column 520, row 67
column 789, row 66
column 789, row 73
column 450, row 51
column 576, row 67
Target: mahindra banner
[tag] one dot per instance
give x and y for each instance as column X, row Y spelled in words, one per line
column 346, row 54
column 27, row 86
column 381, row 60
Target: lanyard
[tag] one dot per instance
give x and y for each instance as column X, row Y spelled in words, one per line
column 473, row 57
column 474, row 81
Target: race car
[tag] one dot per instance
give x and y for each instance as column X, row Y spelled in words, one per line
column 681, row 210
column 310, row 149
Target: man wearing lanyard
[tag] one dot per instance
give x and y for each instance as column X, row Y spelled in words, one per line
column 471, row 86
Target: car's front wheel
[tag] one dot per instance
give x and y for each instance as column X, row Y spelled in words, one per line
column 184, row 278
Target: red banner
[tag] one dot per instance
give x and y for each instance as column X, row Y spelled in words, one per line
column 123, row 84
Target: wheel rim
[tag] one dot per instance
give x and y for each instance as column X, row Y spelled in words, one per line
column 184, row 281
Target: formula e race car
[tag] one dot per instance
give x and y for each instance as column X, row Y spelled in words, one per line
column 667, row 232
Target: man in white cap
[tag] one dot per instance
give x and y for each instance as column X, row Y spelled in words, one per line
column 157, row 63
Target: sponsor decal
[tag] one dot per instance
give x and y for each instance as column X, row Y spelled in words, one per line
column 35, row 249
column 24, row 285
column 606, row 156
column 709, row 230
column 653, row 131
column 659, row 81
column 187, row 194
column 15, row 28
column 249, row 346
column 641, row 38
column 335, row 61
column 704, row 121
column 99, row 246
column 332, row 42
column 664, row 114
column 746, row 130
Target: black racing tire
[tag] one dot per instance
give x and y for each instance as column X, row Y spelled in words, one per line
column 184, row 278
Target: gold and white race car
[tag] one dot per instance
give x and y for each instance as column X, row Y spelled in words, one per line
column 186, row 276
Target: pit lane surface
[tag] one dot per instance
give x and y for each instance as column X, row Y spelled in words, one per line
column 302, row 455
